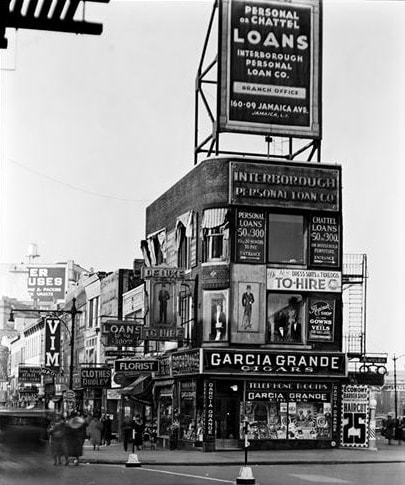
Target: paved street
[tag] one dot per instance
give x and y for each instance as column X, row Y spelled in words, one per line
column 177, row 467
column 354, row 473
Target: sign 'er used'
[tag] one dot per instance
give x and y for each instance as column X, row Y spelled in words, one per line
column 95, row 377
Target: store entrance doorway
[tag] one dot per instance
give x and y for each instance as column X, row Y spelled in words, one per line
column 226, row 422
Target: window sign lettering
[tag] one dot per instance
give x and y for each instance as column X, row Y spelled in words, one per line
column 321, row 317
column 250, row 236
column 324, row 241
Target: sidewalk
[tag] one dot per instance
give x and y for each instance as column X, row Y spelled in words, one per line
column 114, row 454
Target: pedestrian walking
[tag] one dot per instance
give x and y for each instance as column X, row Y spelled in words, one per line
column 126, row 429
column 94, row 429
column 57, row 432
column 389, row 427
column 106, row 431
column 74, row 438
column 139, row 429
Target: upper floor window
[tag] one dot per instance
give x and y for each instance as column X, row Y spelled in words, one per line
column 215, row 234
column 286, row 239
column 154, row 249
column 285, row 316
column 93, row 312
column 183, row 235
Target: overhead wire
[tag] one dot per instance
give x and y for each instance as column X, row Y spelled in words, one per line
column 71, row 186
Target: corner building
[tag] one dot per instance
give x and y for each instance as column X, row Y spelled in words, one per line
column 258, row 306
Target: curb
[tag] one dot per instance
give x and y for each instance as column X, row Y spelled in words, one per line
column 234, row 463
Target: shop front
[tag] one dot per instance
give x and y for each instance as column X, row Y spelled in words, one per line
column 286, row 399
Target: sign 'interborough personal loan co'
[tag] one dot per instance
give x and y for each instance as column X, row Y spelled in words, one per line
column 293, row 186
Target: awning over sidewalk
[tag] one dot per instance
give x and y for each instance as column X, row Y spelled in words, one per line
column 140, row 390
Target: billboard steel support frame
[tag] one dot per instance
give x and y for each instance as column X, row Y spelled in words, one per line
column 213, row 138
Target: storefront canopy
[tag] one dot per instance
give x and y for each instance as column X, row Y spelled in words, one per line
column 140, row 390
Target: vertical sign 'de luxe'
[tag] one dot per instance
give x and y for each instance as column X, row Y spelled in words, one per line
column 270, row 67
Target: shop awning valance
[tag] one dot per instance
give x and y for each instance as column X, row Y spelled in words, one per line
column 213, row 218
column 140, row 389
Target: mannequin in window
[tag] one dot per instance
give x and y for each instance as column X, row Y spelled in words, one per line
column 219, row 323
column 247, row 302
column 286, row 321
column 164, row 296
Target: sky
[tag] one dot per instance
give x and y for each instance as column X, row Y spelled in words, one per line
column 94, row 128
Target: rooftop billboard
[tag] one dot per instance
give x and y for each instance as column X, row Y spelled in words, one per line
column 270, row 75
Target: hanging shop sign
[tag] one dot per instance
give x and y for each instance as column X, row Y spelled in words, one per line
column 121, row 333
column 29, row 374
column 162, row 333
column 270, row 67
column 95, row 377
column 299, row 280
column 355, row 408
column 46, row 283
column 274, row 363
column 321, row 319
column 324, row 241
column 141, row 366
column 120, row 353
column 250, row 230
column 186, row 363
column 165, row 272
column 52, row 343
column 289, row 186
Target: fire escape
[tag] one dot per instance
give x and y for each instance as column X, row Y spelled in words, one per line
column 354, row 282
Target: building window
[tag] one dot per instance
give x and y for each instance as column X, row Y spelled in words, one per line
column 285, row 316
column 286, row 239
column 215, row 234
column 93, row 312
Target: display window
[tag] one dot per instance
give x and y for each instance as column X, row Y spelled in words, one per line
column 287, row 420
column 187, row 418
column 285, row 317
column 165, row 414
column 286, row 239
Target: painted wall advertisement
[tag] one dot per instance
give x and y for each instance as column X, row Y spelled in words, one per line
column 355, row 408
column 270, row 67
column 46, row 283
column 250, row 236
column 286, row 186
column 324, row 241
column 321, row 319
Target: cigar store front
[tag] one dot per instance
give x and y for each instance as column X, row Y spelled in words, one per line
column 286, row 399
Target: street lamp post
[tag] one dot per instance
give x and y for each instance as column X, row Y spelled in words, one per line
column 395, row 358
column 72, row 312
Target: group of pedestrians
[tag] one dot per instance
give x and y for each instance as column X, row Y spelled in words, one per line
column 67, row 438
column 68, row 435
column 394, row 429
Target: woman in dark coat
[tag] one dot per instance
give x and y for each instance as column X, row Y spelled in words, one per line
column 57, row 433
column 139, row 428
column 75, row 436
